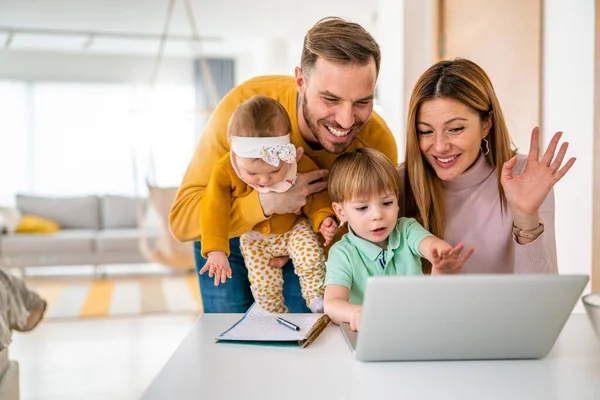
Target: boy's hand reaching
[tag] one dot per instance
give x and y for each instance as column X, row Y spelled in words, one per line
column 355, row 321
column 217, row 265
column 450, row 260
column 328, row 229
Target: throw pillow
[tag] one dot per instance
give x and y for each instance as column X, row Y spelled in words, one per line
column 33, row 224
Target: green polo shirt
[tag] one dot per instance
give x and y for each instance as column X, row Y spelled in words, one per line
column 353, row 260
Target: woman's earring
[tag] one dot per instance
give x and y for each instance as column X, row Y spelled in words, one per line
column 485, row 148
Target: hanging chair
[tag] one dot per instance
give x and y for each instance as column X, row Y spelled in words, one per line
column 160, row 246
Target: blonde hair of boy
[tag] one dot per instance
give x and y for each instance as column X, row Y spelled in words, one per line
column 259, row 116
column 362, row 174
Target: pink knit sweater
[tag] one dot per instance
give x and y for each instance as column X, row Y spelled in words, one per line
column 474, row 217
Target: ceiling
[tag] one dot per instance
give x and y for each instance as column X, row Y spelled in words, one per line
column 135, row 26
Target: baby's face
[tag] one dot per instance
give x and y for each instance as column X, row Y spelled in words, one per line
column 259, row 173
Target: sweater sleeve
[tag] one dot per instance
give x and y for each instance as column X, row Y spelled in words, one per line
column 382, row 139
column 215, row 205
column 318, row 205
column 539, row 256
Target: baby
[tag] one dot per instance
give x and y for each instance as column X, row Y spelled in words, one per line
column 364, row 187
column 263, row 159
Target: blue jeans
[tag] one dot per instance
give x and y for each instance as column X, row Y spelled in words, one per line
column 234, row 296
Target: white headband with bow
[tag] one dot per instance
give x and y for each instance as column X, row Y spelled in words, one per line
column 270, row 149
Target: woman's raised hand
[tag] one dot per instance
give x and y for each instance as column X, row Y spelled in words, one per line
column 525, row 193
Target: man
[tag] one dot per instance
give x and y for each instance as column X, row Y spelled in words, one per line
column 330, row 104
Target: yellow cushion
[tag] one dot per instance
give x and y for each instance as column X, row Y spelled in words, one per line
column 34, row 224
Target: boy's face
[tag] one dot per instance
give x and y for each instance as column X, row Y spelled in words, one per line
column 258, row 173
column 371, row 219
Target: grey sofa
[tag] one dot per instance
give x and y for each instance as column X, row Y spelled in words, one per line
column 9, row 377
column 95, row 230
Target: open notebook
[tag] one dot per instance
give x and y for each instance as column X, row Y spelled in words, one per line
column 261, row 326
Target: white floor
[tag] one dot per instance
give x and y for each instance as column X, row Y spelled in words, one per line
column 95, row 359
column 59, row 272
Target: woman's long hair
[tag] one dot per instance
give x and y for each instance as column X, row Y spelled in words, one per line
column 464, row 81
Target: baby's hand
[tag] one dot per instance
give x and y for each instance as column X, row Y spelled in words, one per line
column 449, row 261
column 328, row 229
column 217, row 265
column 355, row 321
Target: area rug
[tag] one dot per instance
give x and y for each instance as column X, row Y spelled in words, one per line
column 112, row 297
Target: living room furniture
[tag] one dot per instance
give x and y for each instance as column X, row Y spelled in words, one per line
column 95, row 230
column 201, row 368
column 9, row 377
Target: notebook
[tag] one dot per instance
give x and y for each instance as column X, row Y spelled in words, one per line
column 261, row 327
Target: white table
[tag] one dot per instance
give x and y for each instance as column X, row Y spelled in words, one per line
column 203, row 369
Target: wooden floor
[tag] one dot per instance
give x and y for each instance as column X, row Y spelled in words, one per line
column 107, row 358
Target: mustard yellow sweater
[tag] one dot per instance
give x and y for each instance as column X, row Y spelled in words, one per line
column 246, row 212
column 225, row 186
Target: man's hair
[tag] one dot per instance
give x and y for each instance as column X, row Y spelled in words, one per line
column 259, row 116
column 362, row 174
column 339, row 41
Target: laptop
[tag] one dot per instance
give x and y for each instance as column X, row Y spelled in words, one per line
column 463, row 317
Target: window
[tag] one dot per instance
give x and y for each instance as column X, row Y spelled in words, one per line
column 85, row 138
column 14, row 140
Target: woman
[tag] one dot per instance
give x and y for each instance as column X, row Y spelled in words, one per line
column 465, row 181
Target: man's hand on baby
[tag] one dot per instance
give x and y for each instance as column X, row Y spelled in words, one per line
column 217, row 265
column 295, row 197
column 328, row 229
column 450, row 260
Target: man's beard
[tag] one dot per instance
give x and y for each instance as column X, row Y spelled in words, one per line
column 335, row 148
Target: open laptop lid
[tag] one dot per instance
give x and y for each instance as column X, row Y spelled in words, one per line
column 465, row 316
column 350, row 335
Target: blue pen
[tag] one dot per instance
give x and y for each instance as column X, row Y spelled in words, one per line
column 288, row 324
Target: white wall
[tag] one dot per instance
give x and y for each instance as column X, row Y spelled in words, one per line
column 22, row 65
column 268, row 57
column 244, row 69
column 404, row 33
column 390, row 85
column 260, row 57
column 418, row 48
column 568, row 100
